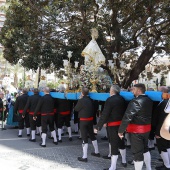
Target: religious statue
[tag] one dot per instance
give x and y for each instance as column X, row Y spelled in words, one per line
column 92, row 51
column 42, row 83
column 29, row 82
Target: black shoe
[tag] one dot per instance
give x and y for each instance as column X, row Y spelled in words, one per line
column 106, row 157
column 37, row 134
column 20, row 136
column 62, row 134
column 3, row 128
column 70, row 139
column 95, row 154
column 75, row 132
column 82, row 159
column 79, row 138
column 32, row 140
column 160, row 160
column 131, row 162
column 42, row 145
column 124, row 165
column 67, row 133
column 50, row 137
column 150, row 149
column 161, row 167
column 106, row 169
column 166, row 168
column 28, row 134
column 56, row 143
column 60, row 141
column 104, row 138
column 128, row 146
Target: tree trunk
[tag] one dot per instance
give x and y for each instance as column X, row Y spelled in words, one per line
column 139, row 67
column 15, row 80
column 39, row 76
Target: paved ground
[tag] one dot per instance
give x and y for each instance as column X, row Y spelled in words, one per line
column 20, row 154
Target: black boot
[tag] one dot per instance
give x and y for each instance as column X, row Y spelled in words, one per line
column 82, row 159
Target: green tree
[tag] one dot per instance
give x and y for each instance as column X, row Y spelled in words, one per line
column 44, row 30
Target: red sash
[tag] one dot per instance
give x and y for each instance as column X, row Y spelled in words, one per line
column 20, row 111
column 117, row 123
column 133, row 128
column 32, row 113
column 65, row 113
column 87, row 119
column 45, row 114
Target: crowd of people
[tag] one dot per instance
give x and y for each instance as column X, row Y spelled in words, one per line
column 136, row 123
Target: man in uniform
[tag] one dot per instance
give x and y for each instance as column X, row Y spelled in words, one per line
column 112, row 114
column 19, row 107
column 85, row 108
column 64, row 115
column 137, row 122
column 46, row 107
column 163, row 145
column 2, row 109
column 31, row 105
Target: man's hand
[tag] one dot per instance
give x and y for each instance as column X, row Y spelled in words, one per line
column 105, row 125
column 34, row 117
column 23, row 116
column 95, row 130
column 120, row 135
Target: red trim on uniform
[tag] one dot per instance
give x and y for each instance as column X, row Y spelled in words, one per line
column 55, row 110
column 65, row 113
column 20, row 111
column 32, row 113
column 117, row 123
column 45, row 114
column 87, row 119
column 134, row 128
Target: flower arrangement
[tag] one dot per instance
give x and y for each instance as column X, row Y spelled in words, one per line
column 103, row 81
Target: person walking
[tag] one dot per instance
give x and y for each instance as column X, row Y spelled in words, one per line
column 19, row 107
column 46, row 107
column 31, row 105
column 112, row 115
column 163, row 145
column 64, row 108
column 2, row 109
column 137, row 122
column 85, row 110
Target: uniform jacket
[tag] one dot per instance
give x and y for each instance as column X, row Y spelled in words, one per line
column 45, row 105
column 138, row 112
column 63, row 105
column 20, row 103
column 113, row 111
column 31, row 103
column 159, row 116
column 85, row 107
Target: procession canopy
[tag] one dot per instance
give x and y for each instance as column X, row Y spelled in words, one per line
column 92, row 51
